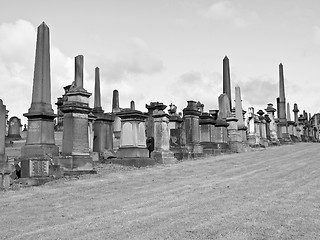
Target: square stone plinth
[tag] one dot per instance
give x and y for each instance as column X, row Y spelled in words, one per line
column 34, row 167
column 163, row 157
column 81, row 163
column 37, row 150
column 132, row 152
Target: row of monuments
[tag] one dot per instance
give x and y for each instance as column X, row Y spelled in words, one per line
column 131, row 137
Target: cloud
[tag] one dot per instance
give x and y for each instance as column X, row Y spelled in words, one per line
column 17, row 55
column 259, row 91
column 197, row 86
column 220, row 10
column 316, row 34
column 227, row 11
column 136, row 59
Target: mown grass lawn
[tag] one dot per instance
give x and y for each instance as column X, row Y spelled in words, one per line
column 270, row 194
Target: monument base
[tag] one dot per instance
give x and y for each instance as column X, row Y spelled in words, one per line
column 75, row 163
column 133, row 162
column 36, row 150
column 5, row 170
column 179, row 153
column 195, row 150
column 237, row 147
column 163, row 157
column 34, row 167
column 132, row 152
column 253, row 140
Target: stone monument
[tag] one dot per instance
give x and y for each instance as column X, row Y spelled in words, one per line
column 191, row 121
column 281, row 105
column 102, row 126
column 40, row 139
column 161, row 153
column 14, row 128
column 75, row 143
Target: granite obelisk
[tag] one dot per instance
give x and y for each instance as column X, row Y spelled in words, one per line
column 40, row 138
column 102, row 125
column 97, row 96
column 281, row 105
column 226, row 79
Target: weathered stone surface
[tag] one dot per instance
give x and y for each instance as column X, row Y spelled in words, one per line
column 40, row 138
column 226, row 80
column 14, row 128
column 2, row 131
column 191, row 124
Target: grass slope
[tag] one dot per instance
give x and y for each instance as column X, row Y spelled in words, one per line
column 271, row 194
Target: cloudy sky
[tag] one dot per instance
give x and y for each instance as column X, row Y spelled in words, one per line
column 169, row 51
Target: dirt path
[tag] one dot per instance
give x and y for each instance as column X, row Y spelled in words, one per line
column 270, row 194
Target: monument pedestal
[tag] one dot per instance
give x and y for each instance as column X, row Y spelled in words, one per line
column 163, row 157
column 74, row 163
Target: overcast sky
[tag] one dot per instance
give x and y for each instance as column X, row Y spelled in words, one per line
column 169, row 51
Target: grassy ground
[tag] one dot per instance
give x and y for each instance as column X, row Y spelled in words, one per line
column 270, row 194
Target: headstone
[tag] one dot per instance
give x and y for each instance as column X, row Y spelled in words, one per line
column 14, row 128
column 207, row 126
column 161, row 153
column 253, row 138
column 263, row 129
column 191, row 124
column 40, row 139
column 291, row 125
column 272, row 125
column 177, row 134
column 75, row 143
column 133, row 150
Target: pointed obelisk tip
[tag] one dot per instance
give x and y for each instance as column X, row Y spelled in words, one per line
column 225, row 58
column 43, row 24
column 280, row 65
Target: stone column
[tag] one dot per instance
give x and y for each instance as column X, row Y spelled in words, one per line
column 226, row 79
column 103, row 135
column 284, row 136
column 5, row 168
column 239, row 115
column 40, row 139
column 2, row 131
column 263, row 128
column 207, row 123
column 273, row 126
column 162, row 153
column 252, row 136
column 117, row 121
column 177, row 134
column 191, row 123
column 75, row 143
column 291, row 125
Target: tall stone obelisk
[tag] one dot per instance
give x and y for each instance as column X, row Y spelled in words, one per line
column 281, row 105
column 40, row 138
column 102, row 126
column 226, row 79
column 97, row 96
column 239, row 114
